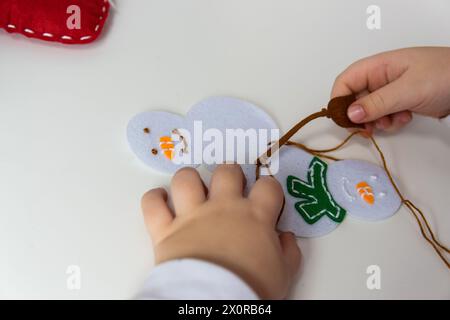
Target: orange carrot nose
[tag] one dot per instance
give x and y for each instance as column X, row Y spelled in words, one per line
column 167, row 146
column 365, row 191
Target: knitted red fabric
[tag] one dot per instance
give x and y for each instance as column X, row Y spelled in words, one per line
column 52, row 20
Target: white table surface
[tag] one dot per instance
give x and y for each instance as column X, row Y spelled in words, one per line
column 70, row 187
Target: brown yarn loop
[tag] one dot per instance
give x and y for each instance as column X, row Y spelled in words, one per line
column 422, row 221
column 336, row 110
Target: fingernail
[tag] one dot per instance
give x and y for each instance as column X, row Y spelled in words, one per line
column 356, row 113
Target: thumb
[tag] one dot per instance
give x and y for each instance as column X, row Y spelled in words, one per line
column 291, row 252
column 384, row 101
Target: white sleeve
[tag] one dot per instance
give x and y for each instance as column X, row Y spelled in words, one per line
column 194, row 279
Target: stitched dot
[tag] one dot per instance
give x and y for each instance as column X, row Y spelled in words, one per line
column 48, row 35
column 104, row 9
column 147, row 130
column 85, row 38
column 11, row 26
column 154, row 151
column 66, row 37
column 29, row 31
column 97, row 27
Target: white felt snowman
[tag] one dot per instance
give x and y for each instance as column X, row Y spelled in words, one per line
column 318, row 196
column 165, row 141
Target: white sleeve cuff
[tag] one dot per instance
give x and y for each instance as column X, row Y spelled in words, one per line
column 195, row 279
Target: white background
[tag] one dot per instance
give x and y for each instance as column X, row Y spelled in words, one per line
column 70, row 187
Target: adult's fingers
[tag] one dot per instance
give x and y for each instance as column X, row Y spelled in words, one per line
column 267, row 198
column 227, row 181
column 157, row 214
column 291, row 252
column 188, row 190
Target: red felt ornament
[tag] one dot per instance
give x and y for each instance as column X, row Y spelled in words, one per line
column 66, row 21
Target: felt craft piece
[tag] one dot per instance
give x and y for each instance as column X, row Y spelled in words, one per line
column 318, row 195
column 152, row 138
column 52, row 20
column 296, row 162
column 222, row 113
column 315, row 200
column 293, row 161
column 363, row 189
column 145, row 131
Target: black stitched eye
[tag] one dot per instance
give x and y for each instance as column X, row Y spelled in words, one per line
column 146, row 130
column 154, row 151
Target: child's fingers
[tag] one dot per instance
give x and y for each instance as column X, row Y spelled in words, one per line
column 291, row 252
column 384, row 77
column 370, row 74
column 382, row 102
column 369, row 127
column 384, row 123
column 267, row 198
column 227, row 181
column 400, row 119
column 394, row 121
column 358, row 77
column 188, row 190
column 157, row 214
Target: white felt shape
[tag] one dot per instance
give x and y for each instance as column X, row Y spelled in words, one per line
column 159, row 124
column 243, row 120
column 224, row 113
column 344, row 180
column 296, row 162
column 212, row 115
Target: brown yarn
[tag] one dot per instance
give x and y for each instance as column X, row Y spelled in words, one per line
column 284, row 139
column 313, row 152
column 414, row 210
column 337, row 111
column 321, row 152
column 424, row 226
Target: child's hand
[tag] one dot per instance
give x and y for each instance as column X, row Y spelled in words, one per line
column 224, row 227
column 393, row 84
